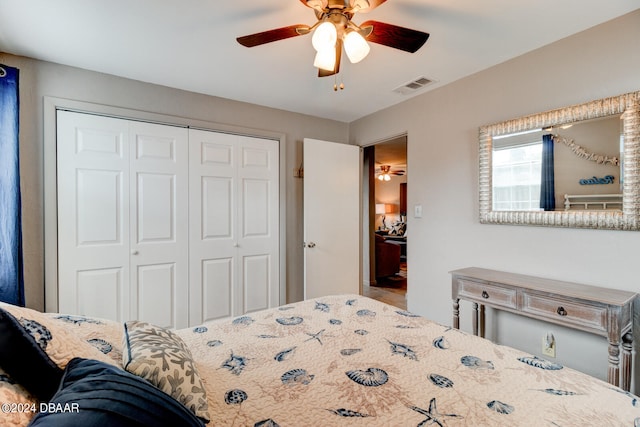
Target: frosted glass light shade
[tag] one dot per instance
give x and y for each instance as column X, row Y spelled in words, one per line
column 356, row 47
column 325, row 59
column 324, row 37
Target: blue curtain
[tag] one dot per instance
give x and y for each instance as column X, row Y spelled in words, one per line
column 547, row 181
column 11, row 280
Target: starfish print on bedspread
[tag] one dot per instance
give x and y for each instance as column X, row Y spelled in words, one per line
column 315, row 336
column 433, row 416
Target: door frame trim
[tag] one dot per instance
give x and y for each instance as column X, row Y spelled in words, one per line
column 52, row 104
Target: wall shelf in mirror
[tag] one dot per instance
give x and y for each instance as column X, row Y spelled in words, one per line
column 576, row 132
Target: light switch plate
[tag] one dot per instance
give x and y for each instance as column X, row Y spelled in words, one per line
column 417, row 211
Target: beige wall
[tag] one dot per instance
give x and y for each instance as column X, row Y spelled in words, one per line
column 39, row 79
column 442, row 127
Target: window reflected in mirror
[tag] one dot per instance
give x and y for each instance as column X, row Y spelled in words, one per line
column 585, row 167
column 516, row 172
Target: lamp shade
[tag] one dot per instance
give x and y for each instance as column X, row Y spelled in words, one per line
column 325, row 59
column 380, row 209
column 355, row 46
column 324, row 37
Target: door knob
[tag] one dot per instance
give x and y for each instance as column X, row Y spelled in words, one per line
column 134, row 252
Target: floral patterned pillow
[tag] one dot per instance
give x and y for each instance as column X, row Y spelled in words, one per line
column 162, row 358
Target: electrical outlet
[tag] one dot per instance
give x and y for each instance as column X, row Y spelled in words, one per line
column 549, row 345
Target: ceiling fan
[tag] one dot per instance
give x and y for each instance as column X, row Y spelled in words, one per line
column 385, row 172
column 335, row 29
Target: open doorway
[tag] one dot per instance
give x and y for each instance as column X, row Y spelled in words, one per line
column 385, row 166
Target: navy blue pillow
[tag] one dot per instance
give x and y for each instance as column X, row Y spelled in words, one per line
column 25, row 361
column 96, row 394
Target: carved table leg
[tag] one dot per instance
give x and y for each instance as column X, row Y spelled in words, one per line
column 613, row 374
column 474, row 319
column 456, row 314
column 625, row 368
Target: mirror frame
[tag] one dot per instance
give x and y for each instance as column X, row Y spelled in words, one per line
column 627, row 106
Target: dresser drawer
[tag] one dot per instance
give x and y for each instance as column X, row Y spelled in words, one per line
column 494, row 295
column 559, row 310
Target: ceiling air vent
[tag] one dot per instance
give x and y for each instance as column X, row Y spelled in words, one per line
column 413, row 86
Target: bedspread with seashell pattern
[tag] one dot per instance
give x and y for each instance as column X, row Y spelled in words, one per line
column 351, row 361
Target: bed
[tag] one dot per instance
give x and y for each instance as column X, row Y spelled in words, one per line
column 341, row 360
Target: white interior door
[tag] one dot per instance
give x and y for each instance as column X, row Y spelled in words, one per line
column 93, row 215
column 234, row 224
column 332, row 260
column 122, row 219
column 159, row 230
column 258, row 222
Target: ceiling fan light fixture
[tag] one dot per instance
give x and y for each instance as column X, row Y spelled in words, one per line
column 334, row 31
column 324, row 37
column 355, row 46
column 325, row 59
column 385, row 174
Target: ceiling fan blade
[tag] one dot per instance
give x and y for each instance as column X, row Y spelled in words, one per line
column 336, row 69
column 372, row 5
column 394, row 36
column 273, row 35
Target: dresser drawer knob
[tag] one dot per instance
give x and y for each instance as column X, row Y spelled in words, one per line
column 485, row 295
column 561, row 311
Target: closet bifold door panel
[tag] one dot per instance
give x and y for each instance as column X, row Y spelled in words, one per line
column 93, row 215
column 234, row 224
column 123, row 238
column 159, row 228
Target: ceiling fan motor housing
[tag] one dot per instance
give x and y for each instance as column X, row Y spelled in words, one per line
column 339, row 19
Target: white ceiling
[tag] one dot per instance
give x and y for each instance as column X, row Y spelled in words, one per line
column 190, row 44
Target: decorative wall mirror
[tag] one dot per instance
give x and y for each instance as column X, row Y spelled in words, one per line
column 588, row 154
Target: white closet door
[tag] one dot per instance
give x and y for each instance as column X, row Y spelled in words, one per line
column 234, row 224
column 258, row 231
column 159, row 197
column 93, row 215
column 122, row 219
